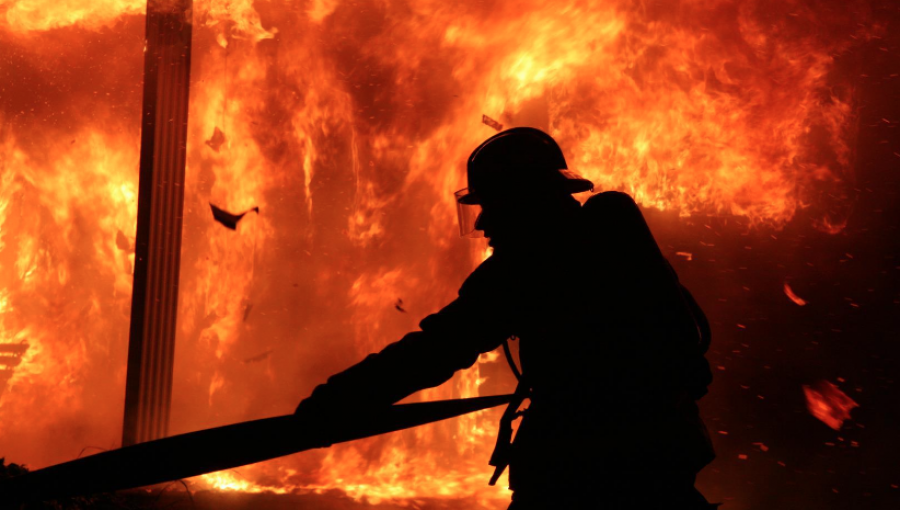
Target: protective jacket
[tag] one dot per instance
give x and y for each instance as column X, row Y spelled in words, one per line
column 610, row 343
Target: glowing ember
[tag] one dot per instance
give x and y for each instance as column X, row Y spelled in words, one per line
column 793, row 297
column 828, row 403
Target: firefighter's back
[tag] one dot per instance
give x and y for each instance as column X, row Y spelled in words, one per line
column 605, row 337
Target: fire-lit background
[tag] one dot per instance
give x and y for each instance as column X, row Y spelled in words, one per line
column 760, row 136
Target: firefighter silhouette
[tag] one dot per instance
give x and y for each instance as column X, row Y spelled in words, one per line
column 611, row 345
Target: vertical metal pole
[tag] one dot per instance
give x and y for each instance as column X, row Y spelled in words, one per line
column 167, row 64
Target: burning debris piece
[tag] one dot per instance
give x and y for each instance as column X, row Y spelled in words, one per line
column 217, row 140
column 491, row 122
column 793, row 297
column 10, row 358
column 228, row 219
column 828, row 403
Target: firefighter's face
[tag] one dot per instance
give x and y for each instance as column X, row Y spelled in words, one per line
column 505, row 219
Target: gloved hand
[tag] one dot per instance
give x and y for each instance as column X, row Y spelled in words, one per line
column 319, row 402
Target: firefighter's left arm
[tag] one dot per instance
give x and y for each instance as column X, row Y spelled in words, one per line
column 449, row 340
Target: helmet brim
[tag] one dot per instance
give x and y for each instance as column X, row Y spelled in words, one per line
column 571, row 182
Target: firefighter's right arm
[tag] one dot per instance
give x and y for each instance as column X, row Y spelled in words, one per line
column 449, row 340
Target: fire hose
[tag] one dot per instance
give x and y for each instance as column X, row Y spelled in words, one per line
column 215, row 449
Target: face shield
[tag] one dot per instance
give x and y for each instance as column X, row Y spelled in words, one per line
column 468, row 212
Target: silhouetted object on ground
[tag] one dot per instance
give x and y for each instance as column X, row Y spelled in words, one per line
column 228, row 219
column 221, row 448
column 611, row 345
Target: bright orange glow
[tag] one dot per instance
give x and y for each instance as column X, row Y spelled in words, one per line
column 348, row 125
column 40, row 15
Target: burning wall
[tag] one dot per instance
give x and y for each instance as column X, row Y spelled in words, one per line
column 348, row 123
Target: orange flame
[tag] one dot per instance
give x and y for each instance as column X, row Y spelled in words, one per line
column 348, row 126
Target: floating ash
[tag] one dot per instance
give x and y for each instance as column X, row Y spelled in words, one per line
column 828, row 403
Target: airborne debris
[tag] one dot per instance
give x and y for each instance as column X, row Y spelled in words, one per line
column 795, row 298
column 491, row 122
column 828, row 403
column 686, row 254
column 228, row 219
column 399, row 306
column 123, row 243
column 258, row 357
column 247, row 310
column 217, row 140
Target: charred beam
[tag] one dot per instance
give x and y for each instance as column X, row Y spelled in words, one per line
column 167, row 63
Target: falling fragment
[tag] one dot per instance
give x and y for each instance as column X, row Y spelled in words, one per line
column 123, row 243
column 828, row 403
column 399, row 306
column 793, row 297
column 491, row 122
column 258, row 357
column 217, row 140
column 228, row 219
column 685, row 254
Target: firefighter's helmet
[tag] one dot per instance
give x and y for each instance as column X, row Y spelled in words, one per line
column 519, row 161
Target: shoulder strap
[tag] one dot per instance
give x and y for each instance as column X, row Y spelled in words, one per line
column 512, row 363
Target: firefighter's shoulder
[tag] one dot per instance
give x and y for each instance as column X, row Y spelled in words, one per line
column 602, row 202
column 487, row 278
